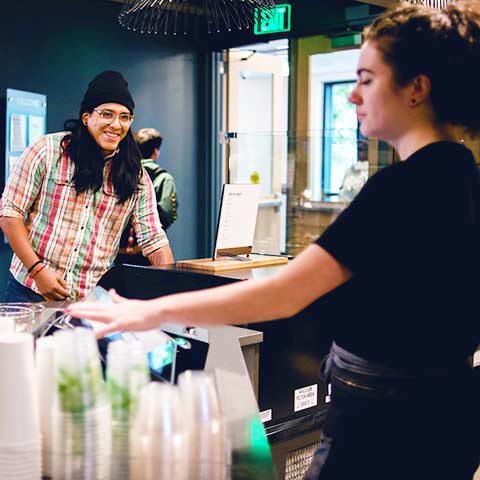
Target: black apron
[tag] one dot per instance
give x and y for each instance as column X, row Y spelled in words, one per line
column 388, row 424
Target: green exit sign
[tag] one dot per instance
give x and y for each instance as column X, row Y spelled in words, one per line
column 277, row 21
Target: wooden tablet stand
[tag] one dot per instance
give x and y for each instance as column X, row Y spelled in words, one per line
column 222, row 264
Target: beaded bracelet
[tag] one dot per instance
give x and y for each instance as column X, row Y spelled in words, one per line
column 34, row 265
column 38, row 271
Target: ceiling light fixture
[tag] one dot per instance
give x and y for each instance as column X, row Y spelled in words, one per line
column 185, row 17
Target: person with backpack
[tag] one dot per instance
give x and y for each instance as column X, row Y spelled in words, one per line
column 149, row 142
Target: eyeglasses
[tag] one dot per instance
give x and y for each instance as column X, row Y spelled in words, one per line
column 109, row 117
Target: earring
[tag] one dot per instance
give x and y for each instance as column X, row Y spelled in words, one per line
column 413, row 101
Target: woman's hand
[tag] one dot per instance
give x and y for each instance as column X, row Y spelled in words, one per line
column 124, row 314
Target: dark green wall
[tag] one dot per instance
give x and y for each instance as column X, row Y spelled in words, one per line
column 56, row 48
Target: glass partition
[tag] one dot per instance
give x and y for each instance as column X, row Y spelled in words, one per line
column 255, row 150
column 290, row 216
column 261, row 158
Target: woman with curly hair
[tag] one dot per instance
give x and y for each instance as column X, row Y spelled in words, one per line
column 399, row 264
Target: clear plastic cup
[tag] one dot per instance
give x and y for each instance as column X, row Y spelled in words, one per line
column 199, row 393
column 78, row 373
column 81, row 416
column 120, row 464
column 127, row 374
column 158, row 441
column 45, row 363
column 82, row 444
column 38, row 311
column 209, row 446
column 18, row 316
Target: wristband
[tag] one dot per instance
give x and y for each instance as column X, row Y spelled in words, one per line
column 38, row 271
column 34, row 265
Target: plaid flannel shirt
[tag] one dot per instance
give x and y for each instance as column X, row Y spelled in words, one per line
column 76, row 235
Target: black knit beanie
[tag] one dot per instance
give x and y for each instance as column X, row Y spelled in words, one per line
column 107, row 87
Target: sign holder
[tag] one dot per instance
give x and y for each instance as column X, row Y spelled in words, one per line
column 235, row 233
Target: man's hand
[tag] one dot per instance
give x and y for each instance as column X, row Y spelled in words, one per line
column 51, row 285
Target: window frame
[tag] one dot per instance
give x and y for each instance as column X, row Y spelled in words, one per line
column 327, row 139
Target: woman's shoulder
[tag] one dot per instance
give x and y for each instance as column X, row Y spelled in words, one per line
column 447, row 150
column 384, row 176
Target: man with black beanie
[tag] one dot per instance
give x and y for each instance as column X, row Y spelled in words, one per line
column 70, row 196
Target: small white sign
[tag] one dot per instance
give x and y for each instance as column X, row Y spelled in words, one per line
column 36, row 128
column 237, row 218
column 306, row 397
column 18, row 132
column 328, row 397
column 266, row 415
column 476, row 359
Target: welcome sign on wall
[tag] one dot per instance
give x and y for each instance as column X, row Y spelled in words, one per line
column 26, row 118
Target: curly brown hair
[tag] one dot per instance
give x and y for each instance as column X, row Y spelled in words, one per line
column 442, row 44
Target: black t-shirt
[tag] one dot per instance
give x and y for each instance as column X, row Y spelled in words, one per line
column 411, row 240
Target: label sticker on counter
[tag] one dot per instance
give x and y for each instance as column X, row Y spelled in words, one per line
column 306, row 397
column 476, row 359
column 328, row 396
column 266, row 415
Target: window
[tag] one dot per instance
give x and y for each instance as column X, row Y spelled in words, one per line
column 340, row 136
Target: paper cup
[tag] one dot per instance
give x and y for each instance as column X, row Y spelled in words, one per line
column 45, row 364
column 7, row 325
column 18, row 401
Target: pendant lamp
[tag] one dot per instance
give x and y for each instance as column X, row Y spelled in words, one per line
column 184, row 17
column 432, row 3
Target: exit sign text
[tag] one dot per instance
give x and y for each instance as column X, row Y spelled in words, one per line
column 277, row 21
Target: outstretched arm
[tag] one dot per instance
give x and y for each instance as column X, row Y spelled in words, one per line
column 312, row 274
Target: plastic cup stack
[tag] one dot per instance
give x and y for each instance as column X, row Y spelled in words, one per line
column 158, row 436
column 209, row 451
column 20, row 450
column 14, row 317
column 29, row 325
column 81, row 415
column 45, row 363
column 127, row 374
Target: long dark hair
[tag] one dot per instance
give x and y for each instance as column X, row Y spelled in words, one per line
column 88, row 159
